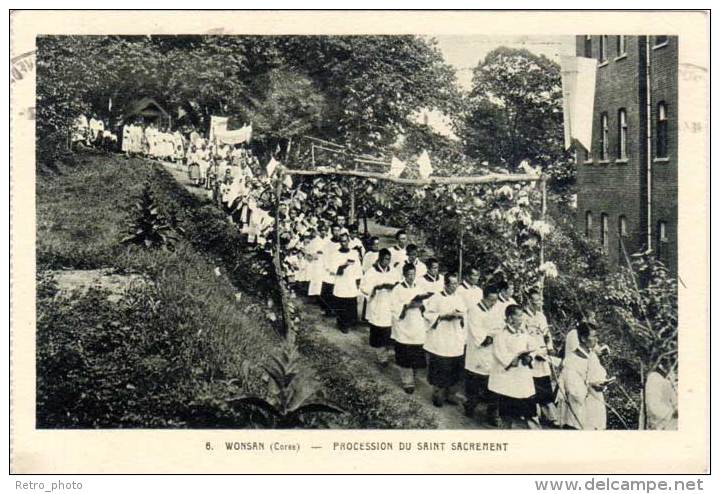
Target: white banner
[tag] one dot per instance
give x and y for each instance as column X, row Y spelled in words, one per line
column 578, row 82
column 217, row 124
column 233, row 137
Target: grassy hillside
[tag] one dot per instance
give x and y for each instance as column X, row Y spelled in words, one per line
column 172, row 350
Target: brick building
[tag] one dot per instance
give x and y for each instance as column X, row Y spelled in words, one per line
column 613, row 176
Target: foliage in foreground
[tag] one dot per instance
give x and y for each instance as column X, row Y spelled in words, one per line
column 294, row 397
column 149, row 227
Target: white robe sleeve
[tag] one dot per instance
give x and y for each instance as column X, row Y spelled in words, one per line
column 502, row 352
column 432, row 310
column 477, row 330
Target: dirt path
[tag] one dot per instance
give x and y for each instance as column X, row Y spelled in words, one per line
column 355, row 343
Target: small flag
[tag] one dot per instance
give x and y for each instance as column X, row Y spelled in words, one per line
column 287, row 181
column 217, row 271
column 424, row 166
column 270, row 168
column 396, row 167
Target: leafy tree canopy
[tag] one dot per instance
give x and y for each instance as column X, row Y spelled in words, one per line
column 357, row 89
column 514, row 113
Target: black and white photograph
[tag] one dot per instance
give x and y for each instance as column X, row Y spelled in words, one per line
column 394, row 232
column 358, row 232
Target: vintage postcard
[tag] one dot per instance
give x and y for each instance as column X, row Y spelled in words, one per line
column 359, row 242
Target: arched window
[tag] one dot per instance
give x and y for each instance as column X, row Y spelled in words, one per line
column 622, row 134
column 604, row 231
column 662, row 240
column 603, row 49
column 603, row 137
column 621, row 45
column 588, row 224
column 622, row 235
column 661, row 145
column 588, row 46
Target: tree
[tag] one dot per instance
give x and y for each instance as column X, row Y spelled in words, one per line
column 373, row 83
column 514, row 113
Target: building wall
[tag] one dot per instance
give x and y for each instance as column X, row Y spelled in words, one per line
column 617, row 187
column 613, row 186
column 664, row 87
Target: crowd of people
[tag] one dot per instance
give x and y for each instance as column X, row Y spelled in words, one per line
column 462, row 331
column 93, row 132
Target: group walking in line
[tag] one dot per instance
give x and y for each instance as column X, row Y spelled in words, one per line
column 458, row 333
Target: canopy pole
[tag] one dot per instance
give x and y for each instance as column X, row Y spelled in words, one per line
column 351, row 220
column 287, row 333
column 460, row 253
column 312, row 153
column 543, row 211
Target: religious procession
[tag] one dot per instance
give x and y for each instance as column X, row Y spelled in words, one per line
column 465, row 335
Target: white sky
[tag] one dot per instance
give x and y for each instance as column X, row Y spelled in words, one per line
column 464, row 52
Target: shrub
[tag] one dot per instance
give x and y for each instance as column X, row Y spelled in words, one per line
column 148, row 226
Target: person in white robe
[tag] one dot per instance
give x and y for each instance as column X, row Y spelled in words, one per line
column 432, row 282
column 328, row 285
column 483, row 326
column 595, row 408
column 316, row 268
column 505, row 297
column 81, row 129
column 411, row 258
column 97, row 126
column 371, row 256
column 661, row 400
column 512, row 378
column 260, row 221
column 537, row 328
column 126, row 145
column 376, row 286
column 179, row 146
column 445, row 341
column 469, row 289
column 203, row 161
column 398, row 252
column 580, row 399
column 347, row 268
column 409, row 328
column 137, row 136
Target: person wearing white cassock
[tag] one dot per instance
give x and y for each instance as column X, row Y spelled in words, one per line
column 512, row 379
column 81, row 129
column 376, row 286
column 328, row 285
column 537, row 328
column 371, row 256
column 483, row 326
column 505, row 296
column 316, row 268
column 409, row 328
column 348, row 270
column 445, row 342
column 125, row 145
column 580, row 400
column 469, row 290
column 432, row 282
column 412, row 258
column 661, row 406
column 397, row 251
